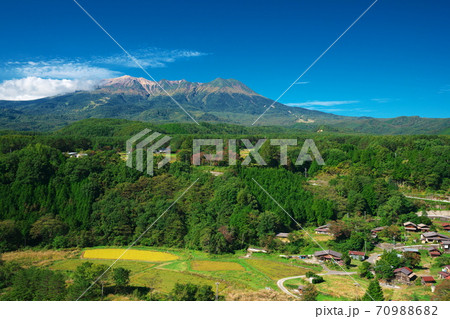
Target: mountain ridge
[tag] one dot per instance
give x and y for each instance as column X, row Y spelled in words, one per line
column 220, row 100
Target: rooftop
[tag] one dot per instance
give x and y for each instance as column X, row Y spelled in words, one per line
column 428, row 279
column 353, row 252
column 404, row 270
column 327, row 252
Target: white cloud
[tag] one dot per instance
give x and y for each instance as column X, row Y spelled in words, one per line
column 302, row 83
column 321, row 103
column 329, row 106
column 148, row 58
column 42, row 78
column 382, row 100
column 32, row 88
column 60, row 69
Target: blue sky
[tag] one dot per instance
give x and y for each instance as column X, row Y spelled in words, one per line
column 393, row 62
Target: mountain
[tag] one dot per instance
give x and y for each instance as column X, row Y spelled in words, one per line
column 221, row 100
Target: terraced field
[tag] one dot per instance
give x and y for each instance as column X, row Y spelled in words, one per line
column 276, row 270
column 207, row 265
column 132, row 254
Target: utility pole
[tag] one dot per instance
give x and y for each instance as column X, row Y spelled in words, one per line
column 217, row 291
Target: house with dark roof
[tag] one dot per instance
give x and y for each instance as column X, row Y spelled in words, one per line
column 284, row 237
column 357, row 254
column 410, row 226
column 423, row 227
column 430, row 237
column 404, row 275
column 411, row 250
column 324, row 229
column 446, row 226
column 428, row 280
column 328, row 255
column 433, row 251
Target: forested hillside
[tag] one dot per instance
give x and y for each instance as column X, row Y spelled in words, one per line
column 49, row 199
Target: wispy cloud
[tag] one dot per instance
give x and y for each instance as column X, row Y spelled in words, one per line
column 321, row 103
column 382, row 100
column 302, row 83
column 444, row 89
column 32, row 88
column 330, row 106
column 149, row 58
column 60, row 69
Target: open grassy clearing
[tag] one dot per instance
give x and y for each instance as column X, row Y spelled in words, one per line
column 39, row 258
column 164, row 280
column 207, row 265
column 132, row 254
column 408, row 293
column 72, row 264
column 343, row 286
column 276, row 270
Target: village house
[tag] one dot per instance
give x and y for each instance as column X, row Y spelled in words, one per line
column 428, row 280
column 430, row 237
column 359, row 255
column 444, row 275
column 423, row 227
column 433, row 251
column 446, row 226
column 284, row 237
column 256, row 250
column 446, row 269
column 324, row 229
column 445, row 245
column 404, row 275
column 411, row 250
column 376, row 230
column 409, row 226
column 327, row 255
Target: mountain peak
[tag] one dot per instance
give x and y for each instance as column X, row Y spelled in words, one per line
column 231, row 85
column 141, row 86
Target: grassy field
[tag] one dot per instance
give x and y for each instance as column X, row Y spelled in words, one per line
column 164, row 280
column 72, row 264
column 132, row 254
column 343, row 287
column 276, row 270
column 207, row 265
column 39, row 258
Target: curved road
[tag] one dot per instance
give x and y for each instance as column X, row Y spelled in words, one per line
column 280, row 283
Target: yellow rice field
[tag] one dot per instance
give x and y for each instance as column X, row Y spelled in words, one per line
column 206, row 265
column 132, row 254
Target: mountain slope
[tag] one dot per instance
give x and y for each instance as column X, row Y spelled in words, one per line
column 221, row 100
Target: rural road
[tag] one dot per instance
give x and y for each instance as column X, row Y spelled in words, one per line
column 430, row 199
column 280, row 283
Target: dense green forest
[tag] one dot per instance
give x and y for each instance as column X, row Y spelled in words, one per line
column 48, row 199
